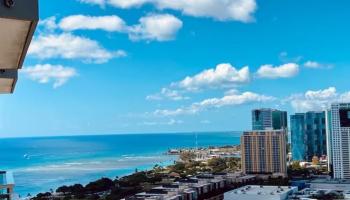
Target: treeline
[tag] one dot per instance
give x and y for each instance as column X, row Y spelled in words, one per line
column 103, row 188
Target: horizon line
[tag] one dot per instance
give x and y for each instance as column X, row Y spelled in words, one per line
column 114, row 134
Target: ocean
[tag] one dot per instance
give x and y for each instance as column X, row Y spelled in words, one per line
column 41, row 164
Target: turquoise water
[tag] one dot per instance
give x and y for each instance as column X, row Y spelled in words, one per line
column 39, row 164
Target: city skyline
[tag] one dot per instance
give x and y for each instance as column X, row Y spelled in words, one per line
column 108, row 68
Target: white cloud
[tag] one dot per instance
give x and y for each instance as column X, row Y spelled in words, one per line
column 316, row 65
column 167, row 93
column 69, row 46
column 94, row 2
column 107, row 23
column 223, row 10
column 49, row 24
column 224, row 75
column 233, row 99
column 286, row 58
column 284, row 71
column 312, row 64
column 160, row 27
column 317, row 100
column 171, row 122
column 329, row 93
column 127, row 3
column 47, row 73
column 153, row 27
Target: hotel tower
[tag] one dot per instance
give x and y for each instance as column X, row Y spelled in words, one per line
column 264, row 152
column 338, row 136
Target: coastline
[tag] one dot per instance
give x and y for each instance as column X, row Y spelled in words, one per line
column 89, row 170
column 186, row 165
column 46, row 165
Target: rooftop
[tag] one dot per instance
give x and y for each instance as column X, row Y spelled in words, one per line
column 330, row 181
column 6, row 178
column 262, row 190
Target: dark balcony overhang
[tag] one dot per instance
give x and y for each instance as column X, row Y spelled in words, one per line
column 18, row 21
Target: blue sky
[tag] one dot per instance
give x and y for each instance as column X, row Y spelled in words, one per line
column 141, row 66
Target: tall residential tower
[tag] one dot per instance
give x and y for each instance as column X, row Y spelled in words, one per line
column 308, row 135
column 339, row 139
column 264, row 152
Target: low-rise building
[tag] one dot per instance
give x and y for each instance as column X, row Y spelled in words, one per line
column 330, row 184
column 6, row 185
column 204, row 186
column 254, row 192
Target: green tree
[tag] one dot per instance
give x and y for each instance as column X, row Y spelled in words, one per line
column 187, row 156
column 217, row 164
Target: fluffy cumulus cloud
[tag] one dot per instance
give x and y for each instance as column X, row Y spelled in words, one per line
column 317, row 100
column 159, row 27
column 69, row 46
column 239, row 10
column 224, row 75
column 107, row 23
column 153, row 27
column 224, row 10
column 233, row 99
column 283, row 71
column 47, row 73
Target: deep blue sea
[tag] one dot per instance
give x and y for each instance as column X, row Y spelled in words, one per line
column 39, row 164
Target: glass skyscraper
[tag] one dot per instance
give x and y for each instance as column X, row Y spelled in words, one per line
column 269, row 119
column 308, row 135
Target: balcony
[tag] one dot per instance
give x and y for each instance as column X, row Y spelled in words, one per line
column 18, row 21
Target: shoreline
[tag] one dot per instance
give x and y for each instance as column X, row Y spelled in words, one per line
column 169, row 161
column 132, row 183
column 86, row 174
column 43, row 156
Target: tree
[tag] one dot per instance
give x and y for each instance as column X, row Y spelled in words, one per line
column 179, row 167
column 187, row 156
column 63, row 189
column 217, row 164
column 295, row 165
column 101, row 185
column 315, row 160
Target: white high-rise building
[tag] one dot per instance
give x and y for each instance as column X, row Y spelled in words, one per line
column 338, row 122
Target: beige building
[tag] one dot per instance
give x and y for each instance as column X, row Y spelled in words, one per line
column 264, row 152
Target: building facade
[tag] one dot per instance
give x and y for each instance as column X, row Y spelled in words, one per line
column 308, row 135
column 269, row 119
column 264, row 152
column 339, row 139
column 6, row 185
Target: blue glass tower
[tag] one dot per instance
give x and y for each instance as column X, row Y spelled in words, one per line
column 269, row 119
column 308, row 134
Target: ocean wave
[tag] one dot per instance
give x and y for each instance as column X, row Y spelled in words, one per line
column 106, row 164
